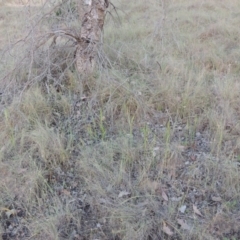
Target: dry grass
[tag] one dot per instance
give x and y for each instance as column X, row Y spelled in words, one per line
column 117, row 154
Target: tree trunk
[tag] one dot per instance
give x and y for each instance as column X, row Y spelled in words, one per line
column 92, row 13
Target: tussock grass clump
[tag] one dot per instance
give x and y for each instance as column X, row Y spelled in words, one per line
column 147, row 147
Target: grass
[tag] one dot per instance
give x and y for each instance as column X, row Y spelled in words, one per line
column 115, row 155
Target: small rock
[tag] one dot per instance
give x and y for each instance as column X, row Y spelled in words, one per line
column 123, row 194
column 216, row 199
column 10, row 227
column 198, row 134
column 154, row 152
column 176, row 199
column 99, row 225
column 182, row 208
column 179, row 128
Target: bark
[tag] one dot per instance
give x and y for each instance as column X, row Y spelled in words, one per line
column 92, row 13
